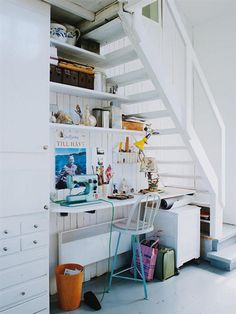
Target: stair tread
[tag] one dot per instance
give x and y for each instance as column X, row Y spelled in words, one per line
column 151, row 114
column 128, row 77
column 227, row 254
column 107, row 32
column 166, row 148
column 119, row 56
column 149, row 95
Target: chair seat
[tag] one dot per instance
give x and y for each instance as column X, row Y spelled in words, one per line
column 121, row 227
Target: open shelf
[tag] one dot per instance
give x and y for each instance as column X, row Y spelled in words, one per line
column 84, row 92
column 93, row 129
column 78, row 54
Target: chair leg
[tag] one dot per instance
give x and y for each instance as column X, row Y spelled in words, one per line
column 114, row 262
column 134, row 256
column 142, row 268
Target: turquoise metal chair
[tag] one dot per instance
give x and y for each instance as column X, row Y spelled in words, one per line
column 140, row 221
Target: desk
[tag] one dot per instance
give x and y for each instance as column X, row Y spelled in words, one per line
column 89, row 244
column 168, row 193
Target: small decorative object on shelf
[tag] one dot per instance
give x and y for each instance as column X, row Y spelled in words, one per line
column 62, row 117
column 116, row 116
column 58, row 32
column 52, row 118
column 100, row 81
column 64, row 33
column 112, row 89
column 77, row 115
column 102, row 116
column 72, row 34
column 53, row 109
column 89, row 119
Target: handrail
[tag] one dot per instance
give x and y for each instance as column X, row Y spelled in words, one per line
column 194, row 60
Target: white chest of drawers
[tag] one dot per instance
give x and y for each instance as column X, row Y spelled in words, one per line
column 24, row 264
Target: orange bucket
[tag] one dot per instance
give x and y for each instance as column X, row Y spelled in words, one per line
column 69, row 288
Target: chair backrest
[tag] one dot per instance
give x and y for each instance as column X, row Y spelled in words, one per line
column 144, row 212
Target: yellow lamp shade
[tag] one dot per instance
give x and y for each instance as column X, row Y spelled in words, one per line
column 140, row 144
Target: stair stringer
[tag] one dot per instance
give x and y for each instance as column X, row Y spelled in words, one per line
column 140, row 42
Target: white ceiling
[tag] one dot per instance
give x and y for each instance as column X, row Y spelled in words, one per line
column 201, row 11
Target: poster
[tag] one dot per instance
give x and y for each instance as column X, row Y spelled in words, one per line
column 69, row 161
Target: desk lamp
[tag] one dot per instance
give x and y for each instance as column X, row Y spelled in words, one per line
column 141, row 143
column 148, row 164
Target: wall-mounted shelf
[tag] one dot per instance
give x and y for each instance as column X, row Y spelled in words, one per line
column 126, row 158
column 93, row 129
column 78, row 54
column 84, row 92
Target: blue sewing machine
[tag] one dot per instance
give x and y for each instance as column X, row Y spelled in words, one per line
column 86, row 186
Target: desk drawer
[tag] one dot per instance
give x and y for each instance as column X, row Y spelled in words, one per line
column 8, row 230
column 35, row 224
column 22, row 273
column 37, row 305
column 23, row 292
column 34, row 240
column 9, row 246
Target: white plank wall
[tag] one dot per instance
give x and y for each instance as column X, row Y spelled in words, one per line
column 109, row 142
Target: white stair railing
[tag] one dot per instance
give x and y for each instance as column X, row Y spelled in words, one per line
column 170, row 60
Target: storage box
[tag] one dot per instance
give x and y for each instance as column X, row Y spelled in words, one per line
column 86, row 80
column 89, row 45
column 70, row 77
column 55, row 73
column 136, row 126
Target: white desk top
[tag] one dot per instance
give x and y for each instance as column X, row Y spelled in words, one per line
column 168, row 193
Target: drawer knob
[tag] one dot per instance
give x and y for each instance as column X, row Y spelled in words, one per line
column 35, row 242
column 5, row 249
column 35, row 226
column 22, row 293
column 45, row 207
column 5, row 232
column 45, row 147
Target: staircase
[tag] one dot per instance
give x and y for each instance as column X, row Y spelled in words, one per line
column 223, row 255
column 155, row 66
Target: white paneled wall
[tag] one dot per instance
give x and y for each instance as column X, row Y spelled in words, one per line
column 109, row 142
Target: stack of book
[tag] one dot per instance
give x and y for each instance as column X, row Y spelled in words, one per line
column 133, row 123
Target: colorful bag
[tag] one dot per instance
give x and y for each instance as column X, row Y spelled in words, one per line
column 165, row 265
column 149, row 257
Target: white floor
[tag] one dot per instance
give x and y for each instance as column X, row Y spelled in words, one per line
column 199, row 289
